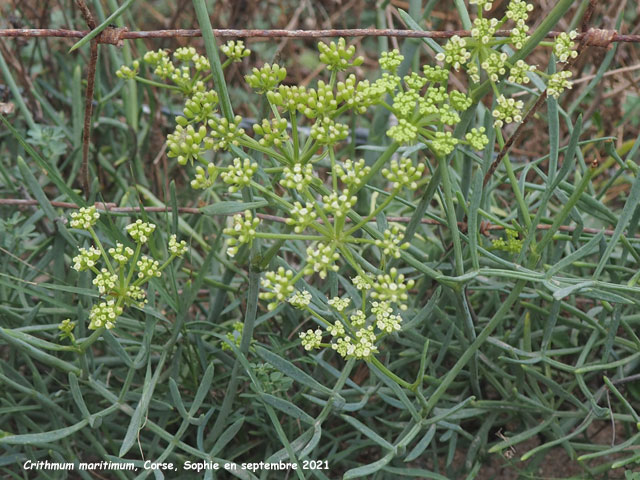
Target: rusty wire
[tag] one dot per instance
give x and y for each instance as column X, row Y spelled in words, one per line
column 116, row 35
column 485, row 227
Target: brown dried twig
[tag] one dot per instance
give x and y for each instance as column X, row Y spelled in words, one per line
column 88, row 100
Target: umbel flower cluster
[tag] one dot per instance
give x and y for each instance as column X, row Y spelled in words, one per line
column 483, row 56
column 512, row 244
column 354, row 331
column 292, row 158
column 121, row 271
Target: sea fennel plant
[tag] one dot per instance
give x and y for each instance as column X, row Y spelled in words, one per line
column 302, row 176
column 125, row 269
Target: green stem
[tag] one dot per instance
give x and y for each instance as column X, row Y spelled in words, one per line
column 473, row 348
column 156, row 84
column 355, row 265
column 17, row 97
column 272, row 195
column 167, row 262
column 327, row 229
column 102, row 250
column 211, row 47
column 451, row 215
column 247, row 334
column 293, row 116
column 308, row 150
column 90, row 340
column 514, row 182
column 372, row 215
column 378, row 364
column 334, row 174
column 289, row 236
column 134, row 261
column 324, row 321
column 247, row 141
column 377, row 166
column 344, row 375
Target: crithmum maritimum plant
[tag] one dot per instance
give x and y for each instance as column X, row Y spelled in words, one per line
column 303, row 177
column 124, row 272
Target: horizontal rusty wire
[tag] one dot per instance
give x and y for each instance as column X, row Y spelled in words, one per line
column 485, row 227
column 115, row 36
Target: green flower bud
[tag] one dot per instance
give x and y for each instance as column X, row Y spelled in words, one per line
column 311, row 339
column 300, row 300
column 476, row 138
column 266, row 78
column 104, row 314
column 239, row 174
column 127, row 73
column 564, row 46
column 148, row 268
column 435, row 74
column 404, row 132
column 321, row 258
column 278, row 285
column 392, row 243
column 391, row 60
column 235, row 50
column 105, row 281
column 512, row 245
column 328, row 132
column 403, row 174
column 484, row 29
column 558, row 82
column 225, row 133
column 455, row 53
column 485, row 5
column 301, row 216
column 507, row 111
column 495, row 65
column 140, row 231
column 391, row 287
column 518, row 73
column 243, row 231
column 298, row 176
column 273, row 133
column 518, row 11
column 86, row 259
column 339, row 304
column 121, row 254
column 339, row 204
column 352, row 174
column 177, row 248
column 204, row 179
column 444, row 143
column 337, row 56
column 187, row 144
column 84, row 218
